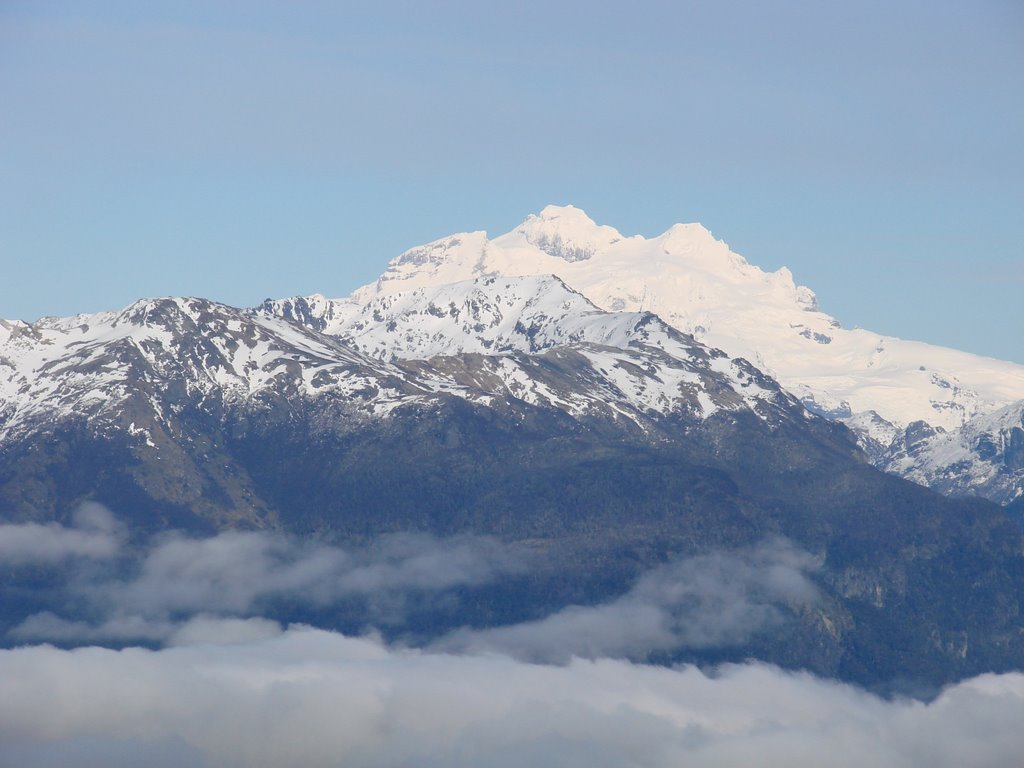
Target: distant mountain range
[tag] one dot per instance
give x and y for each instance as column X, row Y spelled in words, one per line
column 564, row 388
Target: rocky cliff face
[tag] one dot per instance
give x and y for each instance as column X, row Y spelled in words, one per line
column 984, row 457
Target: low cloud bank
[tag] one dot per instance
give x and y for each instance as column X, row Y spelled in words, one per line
column 715, row 600
column 246, row 693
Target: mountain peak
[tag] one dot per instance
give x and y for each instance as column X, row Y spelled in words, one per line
column 693, row 231
column 567, row 212
column 565, row 232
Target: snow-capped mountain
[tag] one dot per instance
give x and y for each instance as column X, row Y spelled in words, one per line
column 878, row 385
column 700, row 287
column 560, row 312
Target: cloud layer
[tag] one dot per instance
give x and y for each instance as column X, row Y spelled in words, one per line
column 309, row 697
column 230, row 687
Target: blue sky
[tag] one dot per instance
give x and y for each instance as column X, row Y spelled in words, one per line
column 239, row 150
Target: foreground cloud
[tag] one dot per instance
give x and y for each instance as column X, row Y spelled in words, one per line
column 713, row 600
column 314, row 698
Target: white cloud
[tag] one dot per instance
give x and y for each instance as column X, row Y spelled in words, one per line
column 93, row 534
column 210, row 630
column 314, row 698
column 115, row 629
column 128, row 628
column 232, row 571
column 235, row 573
column 712, row 600
column 717, row 599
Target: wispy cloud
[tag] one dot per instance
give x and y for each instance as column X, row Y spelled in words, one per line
column 713, row 600
column 123, row 628
column 94, row 533
column 120, row 628
column 231, row 572
column 240, row 573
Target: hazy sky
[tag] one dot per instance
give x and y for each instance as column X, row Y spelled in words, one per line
column 239, row 150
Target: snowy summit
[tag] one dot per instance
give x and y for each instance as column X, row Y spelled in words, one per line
column 697, row 284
